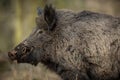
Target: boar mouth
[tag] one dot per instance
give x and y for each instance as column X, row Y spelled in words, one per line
column 23, row 54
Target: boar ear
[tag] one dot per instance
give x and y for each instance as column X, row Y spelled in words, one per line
column 50, row 16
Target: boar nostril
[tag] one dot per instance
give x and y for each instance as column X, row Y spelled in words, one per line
column 12, row 54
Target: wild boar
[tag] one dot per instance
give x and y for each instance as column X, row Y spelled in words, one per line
column 76, row 45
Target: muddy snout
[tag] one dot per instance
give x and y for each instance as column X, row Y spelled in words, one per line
column 12, row 54
column 20, row 53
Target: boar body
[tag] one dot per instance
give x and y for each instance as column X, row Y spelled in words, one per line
column 77, row 46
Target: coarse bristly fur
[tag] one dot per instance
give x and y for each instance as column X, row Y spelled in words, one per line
column 77, row 46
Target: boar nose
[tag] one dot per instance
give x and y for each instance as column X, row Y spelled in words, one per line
column 12, row 54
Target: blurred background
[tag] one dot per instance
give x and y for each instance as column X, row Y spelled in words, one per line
column 17, row 19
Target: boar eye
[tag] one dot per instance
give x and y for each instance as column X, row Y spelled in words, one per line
column 40, row 31
column 24, row 49
column 27, row 49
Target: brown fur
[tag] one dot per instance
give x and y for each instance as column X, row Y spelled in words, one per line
column 81, row 46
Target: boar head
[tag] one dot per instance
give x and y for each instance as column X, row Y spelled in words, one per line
column 31, row 50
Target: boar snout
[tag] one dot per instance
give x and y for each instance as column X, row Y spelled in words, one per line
column 12, row 54
column 20, row 53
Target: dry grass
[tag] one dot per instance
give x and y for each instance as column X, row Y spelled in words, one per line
column 12, row 71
